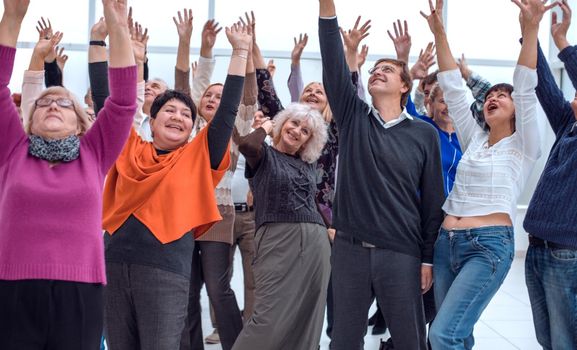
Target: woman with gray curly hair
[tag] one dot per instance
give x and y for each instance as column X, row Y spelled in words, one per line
column 291, row 265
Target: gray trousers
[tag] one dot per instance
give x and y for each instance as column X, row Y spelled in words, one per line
column 144, row 307
column 291, row 271
column 359, row 275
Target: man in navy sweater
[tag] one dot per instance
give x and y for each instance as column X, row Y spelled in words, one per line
column 551, row 220
column 387, row 208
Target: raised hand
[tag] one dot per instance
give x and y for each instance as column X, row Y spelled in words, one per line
column 184, row 24
column 425, row 61
column 250, row 22
column 99, row 32
column 362, row 55
column 139, row 38
column 61, row 58
column 271, row 67
column 15, row 9
column 300, row 45
column 193, row 68
column 209, row 33
column 353, row 37
column 401, row 40
column 559, row 29
column 115, row 14
column 44, row 29
column 464, row 67
column 532, row 11
column 130, row 20
column 238, row 37
column 45, row 47
column 434, row 19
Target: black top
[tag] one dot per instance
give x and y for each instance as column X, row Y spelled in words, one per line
column 283, row 186
column 389, row 187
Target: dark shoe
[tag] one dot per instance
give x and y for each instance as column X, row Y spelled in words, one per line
column 388, row 345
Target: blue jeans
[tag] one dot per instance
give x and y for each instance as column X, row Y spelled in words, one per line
column 469, row 267
column 551, row 277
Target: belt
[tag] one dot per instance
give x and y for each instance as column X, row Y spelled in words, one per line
column 243, row 207
column 538, row 242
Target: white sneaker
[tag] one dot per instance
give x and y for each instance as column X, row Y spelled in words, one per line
column 213, row 338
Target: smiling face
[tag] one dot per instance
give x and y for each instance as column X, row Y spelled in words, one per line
column 153, row 88
column 314, row 96
column 172, row 125
column 389, row 78
column 499, row 109
column 438, row 109
column 210, row 101
column 259, row 118
column 54, row 117
column 293, row 135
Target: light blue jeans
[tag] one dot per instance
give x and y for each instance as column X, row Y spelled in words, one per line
column 551, row 277
column 469, row 267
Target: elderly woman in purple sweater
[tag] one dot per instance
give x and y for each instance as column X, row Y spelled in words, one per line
column 51, row 250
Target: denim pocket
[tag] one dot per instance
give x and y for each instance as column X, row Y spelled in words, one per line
column 564, row 254
column 497, row 248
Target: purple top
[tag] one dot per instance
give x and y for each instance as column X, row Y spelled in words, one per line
column 52, row 216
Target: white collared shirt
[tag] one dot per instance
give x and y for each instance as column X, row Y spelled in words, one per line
column 404, row 115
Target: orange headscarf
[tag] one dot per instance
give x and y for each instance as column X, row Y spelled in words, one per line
column 171, row 194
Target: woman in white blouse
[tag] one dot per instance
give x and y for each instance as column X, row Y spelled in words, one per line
column 475, row 248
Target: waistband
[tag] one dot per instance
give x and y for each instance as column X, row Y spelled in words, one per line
column 538, row 242
column 478, row 231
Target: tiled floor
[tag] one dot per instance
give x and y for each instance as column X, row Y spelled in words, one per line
column 506, row 324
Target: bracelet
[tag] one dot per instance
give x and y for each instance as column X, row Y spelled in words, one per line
column 241, row 56
column 240, row 48
column 98, row 43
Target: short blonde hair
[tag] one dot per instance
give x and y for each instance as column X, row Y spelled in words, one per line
column 83, row 118
column 312, row 149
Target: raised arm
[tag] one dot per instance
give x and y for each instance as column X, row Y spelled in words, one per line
column 567, row 54
column 341, row 93
column 352, row 39
column 139, row 39
column 478, row 86
column 98, row 64
column 182, row 68
column 401, row 40
column 450, row 80
column 252, row 148
column 11, row 132
column 206, row 62
column 220, row 128
column 295, row 80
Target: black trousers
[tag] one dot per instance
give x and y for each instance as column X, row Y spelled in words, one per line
column 359, row 274
column 49, row 314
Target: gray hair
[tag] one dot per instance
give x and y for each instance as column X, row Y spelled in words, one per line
column 311, row 150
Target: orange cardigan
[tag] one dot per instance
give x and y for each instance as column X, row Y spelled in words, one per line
column 171, row 194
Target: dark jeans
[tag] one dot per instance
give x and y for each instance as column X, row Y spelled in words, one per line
column 211, row 264
column 359, row 275
column 50, row 315
column 551, row 277
column 145, row 307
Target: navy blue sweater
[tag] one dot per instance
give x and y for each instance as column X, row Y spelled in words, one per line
column 552, row 213
column 389, row 188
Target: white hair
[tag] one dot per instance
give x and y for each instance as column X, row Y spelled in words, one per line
column 311, row 150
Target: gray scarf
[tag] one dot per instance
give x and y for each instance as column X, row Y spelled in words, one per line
column 62, row 150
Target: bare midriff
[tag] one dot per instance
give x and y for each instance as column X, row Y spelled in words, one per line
column 496, row 219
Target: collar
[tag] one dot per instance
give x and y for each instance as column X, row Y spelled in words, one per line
column 404, row 115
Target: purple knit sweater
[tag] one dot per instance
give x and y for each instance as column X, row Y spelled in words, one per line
column 51, row 218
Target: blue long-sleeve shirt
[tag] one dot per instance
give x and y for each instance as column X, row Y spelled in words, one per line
column 450, row 149
column 552, row 212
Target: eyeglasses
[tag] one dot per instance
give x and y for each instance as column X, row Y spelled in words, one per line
column 62, row 102
column 384, row 68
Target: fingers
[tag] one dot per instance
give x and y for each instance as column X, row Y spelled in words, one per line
column 357, row 22
column 391, row 35
column 366, row 26
column 396, row 29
